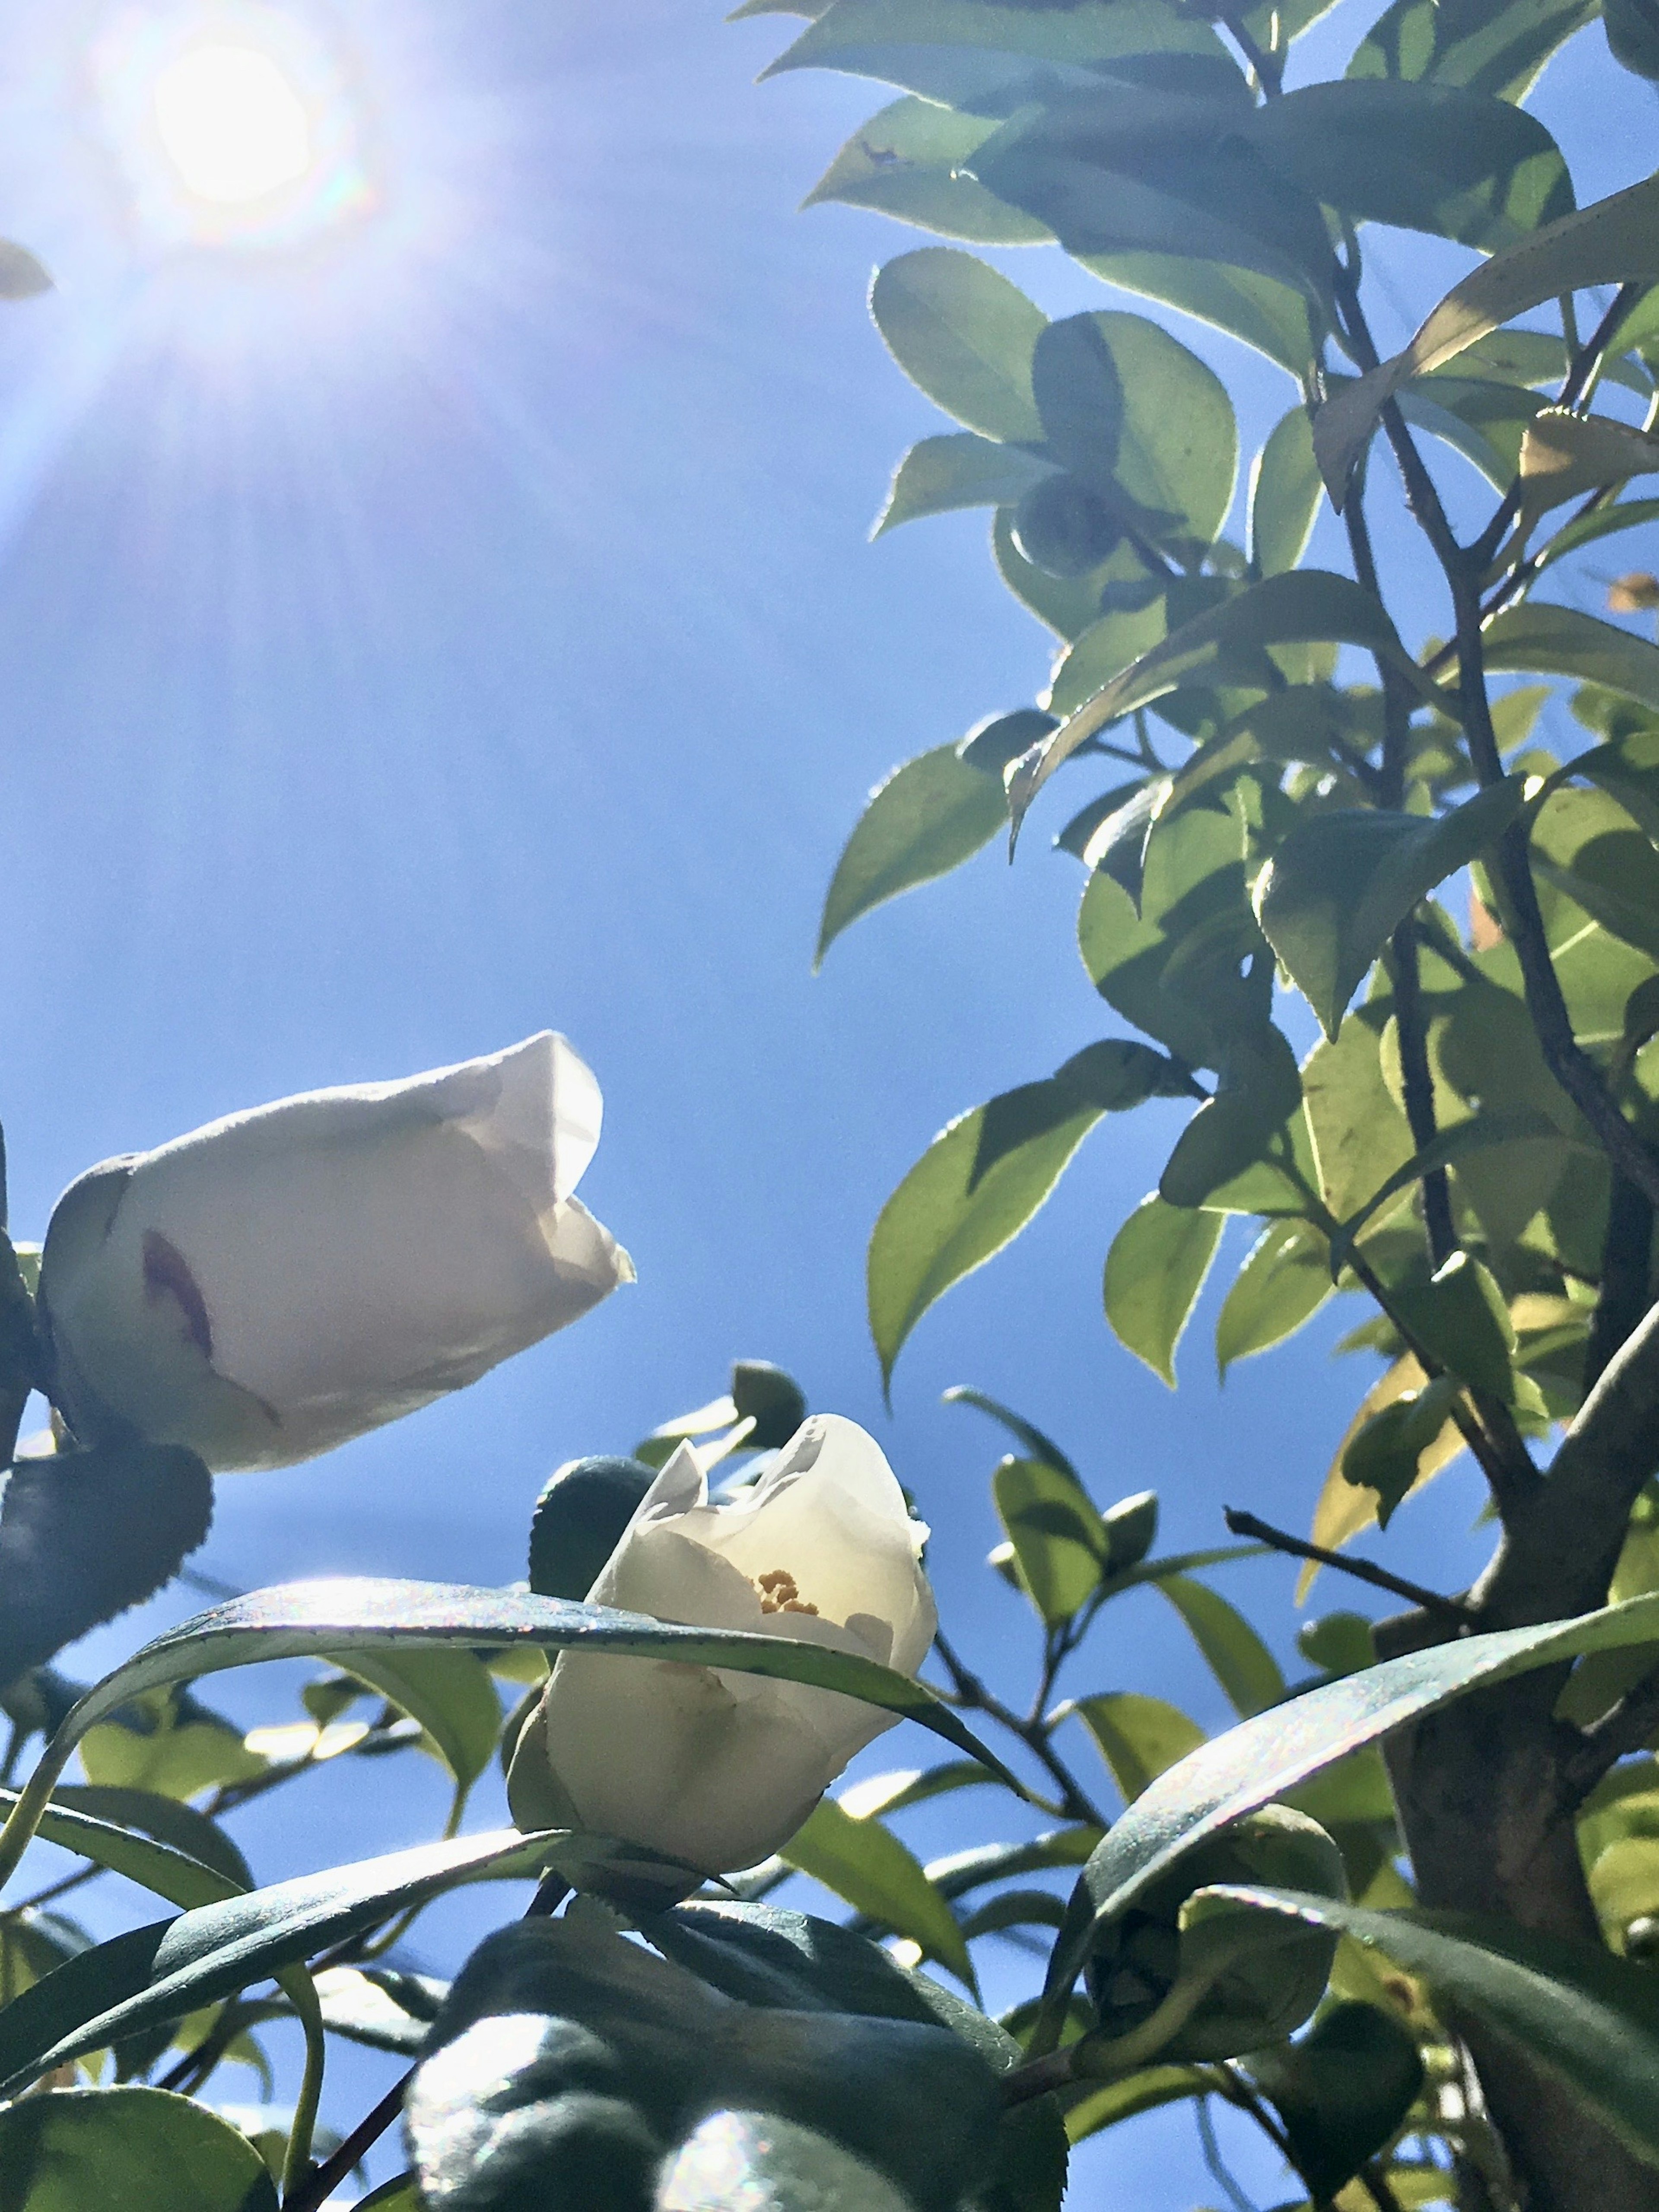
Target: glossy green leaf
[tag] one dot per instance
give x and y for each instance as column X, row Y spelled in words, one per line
column 1235, row 1655
column 926, row 819
column 1059, row 1539
column 1340, row 884
column 1285, row 489
column 983, row 1177
column 1140, row 1737
column 1590, row 2019
column 1154, row 1272
column 908, row 162
column 865, row 1863
column 352, row 1619
column 1611, row 242
column 1423, row 156
column 112, row 2150
column 1342, row 2091
column 1497, row 49
column 1284, row 1283
column 171, row 1968
column 939, row 476
column 1267, row 1757
column 1309, row 603
column 965, row 335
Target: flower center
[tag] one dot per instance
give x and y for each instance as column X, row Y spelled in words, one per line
column 780, row 1593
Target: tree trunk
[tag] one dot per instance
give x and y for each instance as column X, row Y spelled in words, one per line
column 1481, row 1800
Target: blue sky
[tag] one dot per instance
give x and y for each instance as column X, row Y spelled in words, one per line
column 462, row 624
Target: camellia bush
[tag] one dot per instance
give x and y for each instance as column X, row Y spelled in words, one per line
column 1404, row 1916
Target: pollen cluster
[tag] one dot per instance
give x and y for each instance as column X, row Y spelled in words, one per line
column 780, row 1593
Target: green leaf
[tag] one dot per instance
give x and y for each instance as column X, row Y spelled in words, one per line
column 21, row 277
column 965, row 335
column 449, row 1693
column 1260, row 1090
column 1131, row 411
column 940, row 475
column 401, row 2193
column 179, row 1826
column 579, row 1521
column 1306, row 604
column 1059, row 1539
column 109, row 2150
column 1357, row 1127
column 1259, row 312
column 960, row 51
column 1267, row 1757
column 1602, row 522
column 1590, row 2019
column 160, row 1867
column 1140, row 1737
column 1499, row 50
column 1284, row 1283
column 357, row 1618
column 1340, row 884
column 171, row 1968
column 1235, row 1655
column 1561, row 641
column 908, row 162
column 897, row 1792
column 1564, row 455
column 1032, row 1440
column 865, row 1863
column 1461, row 1316
column 926, row 819
column 1154, row 1272
column 1385, row 1454
column 1097, row 2109
column 1481, row 1133
column 1423, row 156
column 983, row 1177
column 169, row 1745
column 1342, row 2091
column 1286, row 491
column 1611, row 242
column 378, row 2007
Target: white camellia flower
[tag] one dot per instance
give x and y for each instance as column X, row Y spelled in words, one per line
column 709, row 1766
column 269, row 1286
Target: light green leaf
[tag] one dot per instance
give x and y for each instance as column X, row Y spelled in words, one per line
column 1284, row 1283
column 1237, row 1656
column 1561, row 641
column 1097, row 2109
column 170, row 1748
column 1340, row 884
column 1614, row 241
column 1564, row 455
column 926, row 819
column 983, row 1177
column 1308, row 603
column 1499, row 50
column 1260, row 1091
column 1154, row 1272
column 940, row 475
column 908, row 161
column 1285, row 489
column 1059, row 1539
column 1357, row 1126
column 965, row 335
column 1139, row 1736
column 449, row 1693
column 110, row 2150
column 1031, row 1440
column 865, row 1863
column 1257, row 310
column 1590, row 2019
column 1602, row 522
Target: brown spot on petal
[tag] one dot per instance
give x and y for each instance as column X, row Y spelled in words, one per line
column 167, row 1274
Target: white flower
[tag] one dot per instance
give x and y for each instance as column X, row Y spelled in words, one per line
column 709, row 1766
column 269, row 1286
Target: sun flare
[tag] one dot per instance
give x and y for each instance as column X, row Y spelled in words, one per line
column 231, row 123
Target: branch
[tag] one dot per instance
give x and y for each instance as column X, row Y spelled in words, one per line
column 320, row 2184
column 1626, row 1251
column 1417, row 1082
column 972, row 1695
column 1247, row 1524
column 1558, row 1559
column 1631, row 1725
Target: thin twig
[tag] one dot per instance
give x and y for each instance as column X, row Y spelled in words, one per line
column 1630, row 1726
column 1247, row 1524
column 320, row 2184
column 972, row 1695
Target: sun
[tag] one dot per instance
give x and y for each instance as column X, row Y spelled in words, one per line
column 233, row 123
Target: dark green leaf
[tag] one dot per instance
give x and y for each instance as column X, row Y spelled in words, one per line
column 1341, row 883
column 112, row 2150
column 926, row 819
column 1342, row 2091
column 965, row 335
column 1154, row 1272
column 179, row 1826
column 1462, row 1318
column 579, row 1521
column 1561, row 641
column 1385, row 1455
column 983, row 1177
column 1588, row 2018
column 1496, row 46
column 865, row 1863
column 939, row 475
column 908, row 161
column 1260, row 1090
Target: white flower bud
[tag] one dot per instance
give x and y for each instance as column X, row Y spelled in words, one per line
column 709, row 1766
column 278, row 1281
